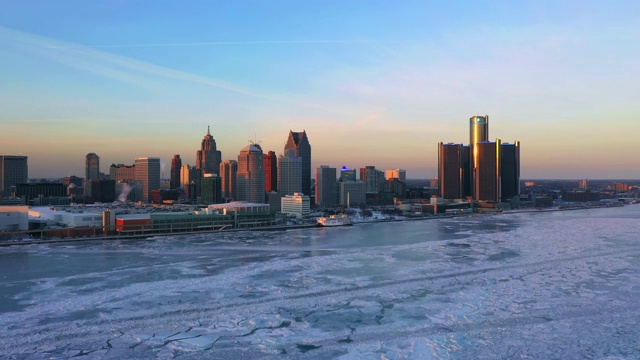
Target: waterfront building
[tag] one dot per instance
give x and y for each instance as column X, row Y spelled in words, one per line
column 122, row 172
column 509, row 171
column 13, row 171
column 352, row 193
column 299, row 143
column 584, row 184
column 176, row 164
column 297, row 205
column 347, row 174
column 228, row 174
column 92, row 167
column 250, row 175
column 148, row 174
column 14, row 218
column 271, row 172
column 478, row 132
column 289, row 173
column 487, row 173
column 208, row 158
column 450, row 170
column 326, row 187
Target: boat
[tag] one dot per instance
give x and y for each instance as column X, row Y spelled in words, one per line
column 334, row 220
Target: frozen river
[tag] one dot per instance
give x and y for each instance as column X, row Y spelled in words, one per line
column 553, row 285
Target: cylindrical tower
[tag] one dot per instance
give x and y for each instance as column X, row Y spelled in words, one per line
column 478, row 129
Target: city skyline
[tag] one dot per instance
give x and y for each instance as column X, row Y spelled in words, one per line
column 378, row 85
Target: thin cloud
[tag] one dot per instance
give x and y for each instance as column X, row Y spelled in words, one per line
column 258, row 42
column 108, row 65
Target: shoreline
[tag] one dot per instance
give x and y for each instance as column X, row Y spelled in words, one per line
column 150, row 236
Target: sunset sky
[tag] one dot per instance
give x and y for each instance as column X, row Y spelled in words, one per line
column 372, row 82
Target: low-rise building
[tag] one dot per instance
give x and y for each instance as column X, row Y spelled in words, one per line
column 297, row 205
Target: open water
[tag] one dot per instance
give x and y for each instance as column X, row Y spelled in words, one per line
column 552, row 285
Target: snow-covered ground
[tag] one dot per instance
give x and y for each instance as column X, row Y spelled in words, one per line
column 561, row 285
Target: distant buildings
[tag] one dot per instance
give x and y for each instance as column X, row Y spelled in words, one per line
column 92, row 167
column 13, row 171
column 148, row 174
column 352, row 193
column 121, row 172
column 326, row 187
column 485, row 171
column 250, row 176
column 290, row 173
column 228, row 174
column 299, row 143
column 347, row 174
column 176, row 165
column 208, row 158
column 373, row 178
column 211, row 190
column 270, row 172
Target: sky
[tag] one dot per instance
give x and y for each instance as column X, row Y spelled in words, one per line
column 371, row 82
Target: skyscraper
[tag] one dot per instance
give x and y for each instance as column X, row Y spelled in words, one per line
column 148, row 174
column 122, row 172
column 270, row 172
column 373, row 178
column 347, row 174
column 487, row 174
column 13, row 170
column 208, row 157
column 510, row 171
column 326, row 186
column 92, row 167
column 289, row 174
column 228, row 174
column 478, row 132
column 299, row 142
column 176, row 164
column 450, row 170
column 250, row 176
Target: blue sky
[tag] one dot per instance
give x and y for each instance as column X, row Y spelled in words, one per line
column 373, row 83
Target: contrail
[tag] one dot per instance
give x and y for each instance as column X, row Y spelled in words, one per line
column 266, row 42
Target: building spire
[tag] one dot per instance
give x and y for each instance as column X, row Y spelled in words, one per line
column 208, row 132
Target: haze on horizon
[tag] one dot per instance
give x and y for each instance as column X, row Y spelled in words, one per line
column 372, row 84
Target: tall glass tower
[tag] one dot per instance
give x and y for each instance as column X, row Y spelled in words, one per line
column 299, row 143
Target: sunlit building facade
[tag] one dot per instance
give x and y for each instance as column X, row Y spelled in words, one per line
column 250, row 175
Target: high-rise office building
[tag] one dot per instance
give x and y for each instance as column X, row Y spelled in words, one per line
column 353, row 193
column 208, row 158
column 122, row 172
column 373, row 178
column 270, row 172
column 299, row 142
column 250, row 176
column 176, row 164
column 486, row 171
column 211, row 190
column 92, row 167
column 326, row 186
column 450, row 181
column 478, row 132
column 487, row 174
column 290, row 174
column 347, row 174
column 148, row 174
column 13, row 170
column 399, row 174
column 228, row 174
column 509, row 171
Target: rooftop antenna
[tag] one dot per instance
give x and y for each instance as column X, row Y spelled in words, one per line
column 208, row 132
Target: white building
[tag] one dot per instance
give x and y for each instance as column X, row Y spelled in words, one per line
column 297, row 205
column 69, row 217
column 14, row 218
